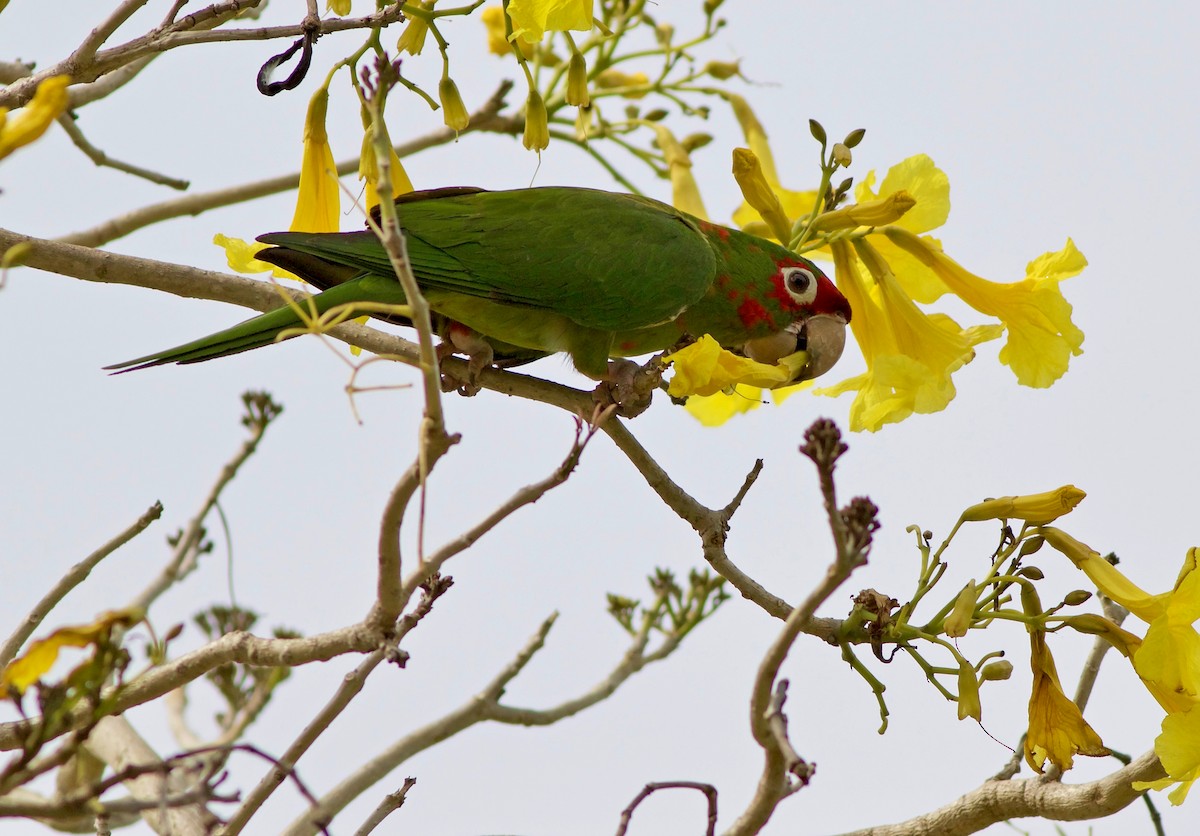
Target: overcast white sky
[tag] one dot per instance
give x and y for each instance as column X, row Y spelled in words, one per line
column 1051, row 120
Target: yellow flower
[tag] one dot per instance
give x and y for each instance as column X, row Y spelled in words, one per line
column 368, row 167
column 1037, row 508
column 704, row 368
column 318, row 201
column 240, row 256
column 36, row 662
column 910, row 355
column 532, row 19
column 497, row 38
column 715, row 410
column 968, row 693
column 30, row 122
column 1057, row 730
column 1041, row 336
column 1168, row 660
column 339, row 7
column 1178, row 750
column 685, row 194
column 412, row 39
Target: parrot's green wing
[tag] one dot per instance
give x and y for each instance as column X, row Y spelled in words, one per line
column 604, row 261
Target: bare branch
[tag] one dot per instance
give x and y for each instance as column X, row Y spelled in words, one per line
column 997, row 801
column 116, row 743
column 75, row 576
column 485, row 119
column 710, row 793
column 231, row 647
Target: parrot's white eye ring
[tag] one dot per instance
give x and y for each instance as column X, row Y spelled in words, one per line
column 801, row 284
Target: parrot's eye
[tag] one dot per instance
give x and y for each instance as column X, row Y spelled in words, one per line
column 801, row 284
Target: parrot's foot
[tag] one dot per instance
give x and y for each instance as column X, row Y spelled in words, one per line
column 462, row 340
column 628, row 386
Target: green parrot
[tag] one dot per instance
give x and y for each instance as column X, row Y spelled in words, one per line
column 511, row 276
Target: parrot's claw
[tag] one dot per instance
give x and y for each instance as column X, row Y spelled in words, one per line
column 628, row 386
column 462, row 340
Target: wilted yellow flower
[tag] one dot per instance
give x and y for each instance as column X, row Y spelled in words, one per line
column 1041, row 336
column 30, row 122
column 412, row 39
column 318, row 200
column 1057, row 730
column 532, row 19
column 1036, row 508
column 1178, row 750
column 36, row 662
column 704, row 368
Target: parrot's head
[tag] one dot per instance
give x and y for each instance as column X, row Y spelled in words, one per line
column 819, row 315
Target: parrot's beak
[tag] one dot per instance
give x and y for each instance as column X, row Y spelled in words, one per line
column 823, row 336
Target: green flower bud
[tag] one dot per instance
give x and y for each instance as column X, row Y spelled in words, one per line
column 722, row 70
column 968, row 693
column 537, row 123
column 854, row 137
column 818, row 133
column 454, row 112
column 577, row 82
column 1077, row 597
column 996, row 671
column 959, row 620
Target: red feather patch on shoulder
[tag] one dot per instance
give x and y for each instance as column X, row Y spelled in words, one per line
column 753, row 313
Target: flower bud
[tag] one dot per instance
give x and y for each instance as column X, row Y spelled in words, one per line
column 454, row 112
column 959, row 621
column 612, row 79
column 968, row 693
column 537, row 126
column 818, row 132
column 854, row 137
column 1076, row 597
column 1097, row 625
column 877, row 212
column 996, row 671
column 758, row 193
column 841, row 155
column 722, row 70
column 577, row 82
column 1037, row 509
column 693, row 141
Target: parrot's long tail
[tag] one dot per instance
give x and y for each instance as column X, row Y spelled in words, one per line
column 253, row 333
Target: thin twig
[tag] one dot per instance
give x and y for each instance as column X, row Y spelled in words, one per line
column 102, row 159
column 484, row 119
column 75, row 576
column 710, row 793
column 390, row 803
